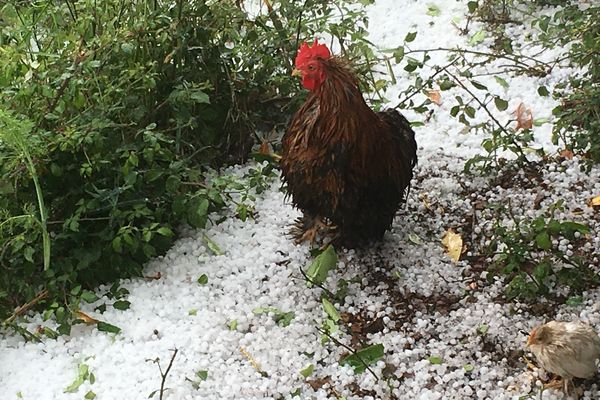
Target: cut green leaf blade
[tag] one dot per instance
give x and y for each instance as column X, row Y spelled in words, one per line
column 318, row 270
column 364, row 357
column 330, row 310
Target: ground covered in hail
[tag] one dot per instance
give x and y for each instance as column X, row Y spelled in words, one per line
column 233, row 299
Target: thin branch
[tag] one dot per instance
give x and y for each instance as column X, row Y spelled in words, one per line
column 327, row 291
column 430, row 79
column 25, row 307
column 491, row 115
column 163, row 375
column 515, row 59
column 350, row 349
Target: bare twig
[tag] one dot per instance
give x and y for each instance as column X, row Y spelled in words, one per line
column 430, row 79
column 25, row 307
column 350, row 349
column 327, row 291
column 163, row 375
column 491, row 115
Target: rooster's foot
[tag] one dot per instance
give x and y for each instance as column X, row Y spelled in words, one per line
column 307, row 229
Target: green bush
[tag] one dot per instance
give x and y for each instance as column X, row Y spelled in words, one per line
column 527, row 253
column 578, row 124
column 119, row 109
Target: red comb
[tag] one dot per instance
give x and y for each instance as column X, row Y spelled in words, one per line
column 306, row 52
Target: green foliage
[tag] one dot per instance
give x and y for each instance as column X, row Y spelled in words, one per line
column 578, row 125
column 124, row 109
column 319, row 269
column 364, row 357
column 527, row 254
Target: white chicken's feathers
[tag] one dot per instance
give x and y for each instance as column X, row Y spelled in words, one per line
column 568, row 349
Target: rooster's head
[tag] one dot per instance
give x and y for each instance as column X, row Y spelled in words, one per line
column 309, row 64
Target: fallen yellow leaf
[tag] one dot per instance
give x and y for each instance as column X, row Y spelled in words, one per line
column 85, row 318
column 454, row 244
column 595, row 202
column 435, row 96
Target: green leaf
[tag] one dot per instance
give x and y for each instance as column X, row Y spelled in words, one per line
column 433, row 10
column 470, row 111
column 488, row 145
column 541, row 271
column 543, row 241
column 454, row 111
column 28, row 253
column 308, row 371
column 330, row 310
column 478, row 85
column 414, row 238
column 106, row 327
column 193, row 312
column 368, row 355
column 501, row 82
column 266, row 310
column 284, row 319
column 501, row 104
column 72, row 388
column 435, row 360
column 542, row 91
column 88, row 297
column 212, row 246
column 398, row 54
column 199, row 97
column 202, row 374
column 468, row 368
column 472, row 5
column 410, row 37
column 477, row 38
column 233, row 325
column 318, row 270
column 483, row 329
column 569, row 228
column 127, row 48
column 203, row 279
column 90, row 395
column 165, row 231
column 574, row 301
column 121, row 305
column 82, row 375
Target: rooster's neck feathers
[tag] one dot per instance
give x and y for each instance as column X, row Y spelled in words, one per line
column 339, row 94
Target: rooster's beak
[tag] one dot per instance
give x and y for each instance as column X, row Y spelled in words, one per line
column 296, row 72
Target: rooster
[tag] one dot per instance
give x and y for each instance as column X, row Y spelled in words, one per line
column 344, row 164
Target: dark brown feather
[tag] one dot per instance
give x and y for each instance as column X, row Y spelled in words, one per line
column 343, row 162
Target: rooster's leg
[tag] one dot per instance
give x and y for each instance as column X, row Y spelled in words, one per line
column 307, row 229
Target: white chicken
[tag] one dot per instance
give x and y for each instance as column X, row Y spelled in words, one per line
column 566, row 349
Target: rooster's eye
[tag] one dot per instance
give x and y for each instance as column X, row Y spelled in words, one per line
column 311, row 68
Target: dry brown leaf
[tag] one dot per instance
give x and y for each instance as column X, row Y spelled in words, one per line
column 453, row 243
column 595, row 201
column 524, row 117
column 435, row 96
column 85, row 318
column 426, row 202
column 265, row 148
column 154, row 277
column 568, row 154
